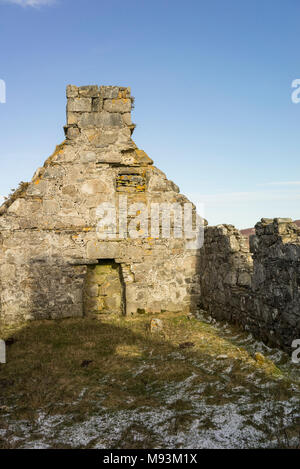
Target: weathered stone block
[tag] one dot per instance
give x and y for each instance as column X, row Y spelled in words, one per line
column 109, row 157
column 71, row 132
column 88, row 157
column 50, row 207
column 17, row 207
column 89, row 91
column 72, row 117
column 233, row 244
column 72, row 91
column 94, row 186
column 244, row 279
column 117, row 105
column 127, row 118
column 38, row 188
column 109, row 92
column 79, row 105
column 102, row 119
column 97, row 104
column 156, row 325
column 102, row 250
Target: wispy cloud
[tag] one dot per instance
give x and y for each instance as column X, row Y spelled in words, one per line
column 30, row 3
column 281, row 183
column 244, row 209
column 225, row 199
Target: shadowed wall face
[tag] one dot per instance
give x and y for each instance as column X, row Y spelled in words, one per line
column 103, row 289
column 257, row 289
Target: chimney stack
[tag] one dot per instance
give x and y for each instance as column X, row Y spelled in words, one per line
column 90, row 107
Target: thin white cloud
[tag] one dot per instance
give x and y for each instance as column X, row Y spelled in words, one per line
column 31, row 3
column 244, row 209
column 282, row 183
column 225, row 199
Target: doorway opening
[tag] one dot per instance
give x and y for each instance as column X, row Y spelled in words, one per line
column 104, row 289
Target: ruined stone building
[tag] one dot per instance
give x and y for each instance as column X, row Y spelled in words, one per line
column 56, row 261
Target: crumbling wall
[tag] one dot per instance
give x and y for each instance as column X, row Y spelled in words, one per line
column 276, row 280
column 257, row 287
column 49, row 226
column 225, row 267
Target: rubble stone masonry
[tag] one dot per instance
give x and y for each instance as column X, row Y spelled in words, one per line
column 48, row 227
column 257, row 287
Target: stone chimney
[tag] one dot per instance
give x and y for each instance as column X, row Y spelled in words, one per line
column 90, row 107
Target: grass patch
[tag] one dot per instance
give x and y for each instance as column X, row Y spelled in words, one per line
column 127, row 368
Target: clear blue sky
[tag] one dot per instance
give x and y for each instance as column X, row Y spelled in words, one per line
column 212, row 81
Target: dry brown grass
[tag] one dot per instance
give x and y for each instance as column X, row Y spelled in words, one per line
column 128, row 368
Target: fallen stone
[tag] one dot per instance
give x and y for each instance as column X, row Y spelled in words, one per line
column 186, row 345
column 156, row 325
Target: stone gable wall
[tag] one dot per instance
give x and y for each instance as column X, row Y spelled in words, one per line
column 48, row 227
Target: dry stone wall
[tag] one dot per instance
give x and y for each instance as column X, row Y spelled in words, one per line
column 257, row 287
column 225, row 266
column 276, row 280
